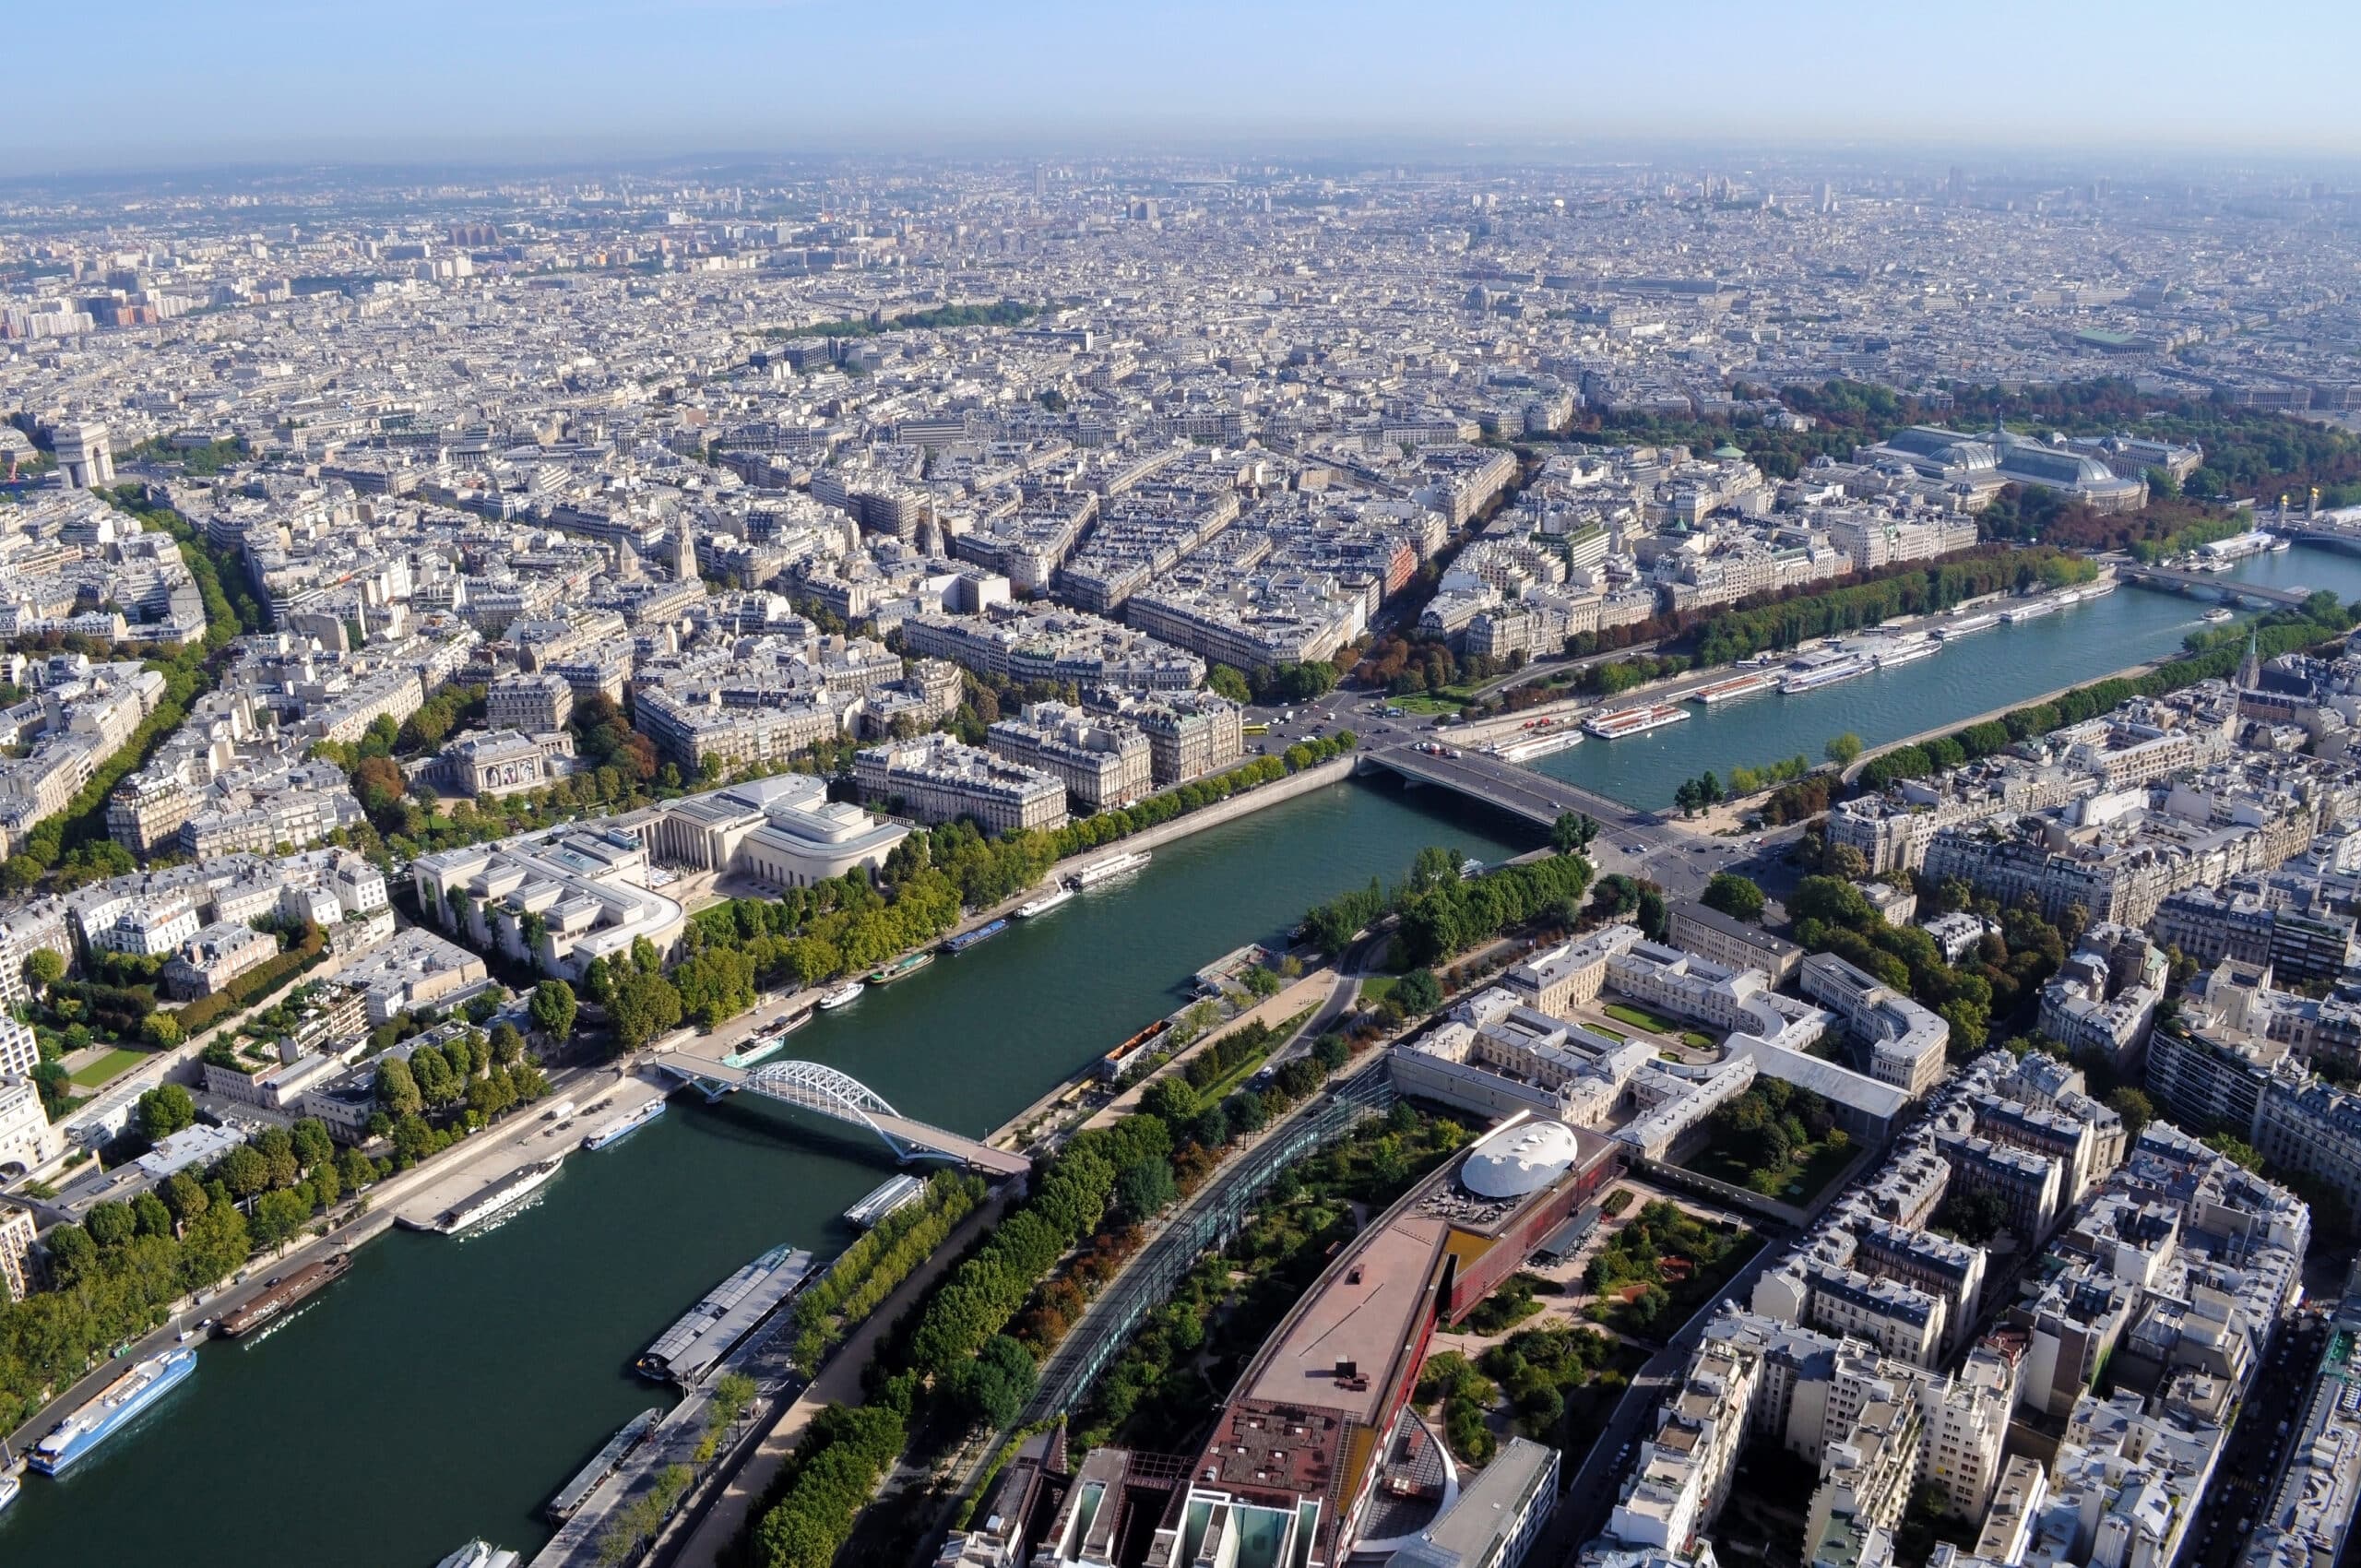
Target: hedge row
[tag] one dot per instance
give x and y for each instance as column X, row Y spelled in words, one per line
column 254, row 984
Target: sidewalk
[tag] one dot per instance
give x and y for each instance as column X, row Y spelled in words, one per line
column 838, row 1383
column 726, row 1036
column 521, row 1137
column 1309, row 994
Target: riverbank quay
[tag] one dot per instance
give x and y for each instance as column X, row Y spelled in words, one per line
column 1677, row 688
column 730, row 1034
column 638, row 1232
column 701, row 1531
column 421, row 1192
column 2129, row 672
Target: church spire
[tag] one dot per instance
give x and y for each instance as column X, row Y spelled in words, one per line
column 2251, row 668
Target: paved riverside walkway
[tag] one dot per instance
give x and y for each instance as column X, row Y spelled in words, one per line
column 711, row 1532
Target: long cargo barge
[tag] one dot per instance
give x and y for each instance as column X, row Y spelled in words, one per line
column 689, row 1350
column 605, row 1462
column 966, row 939
column 765, row 1046
column 281, row 1293
column 623, row 1126
column 901, row 968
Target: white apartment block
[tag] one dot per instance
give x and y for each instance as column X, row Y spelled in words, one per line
column 1103, row 762
column 17, row 1232
column 1903, row 1042
column 27, row 1140
column 936, row 778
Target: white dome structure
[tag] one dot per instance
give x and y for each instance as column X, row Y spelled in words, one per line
column 1520, row 1159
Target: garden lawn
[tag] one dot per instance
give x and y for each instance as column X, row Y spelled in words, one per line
column 1641, row 1018
column 113, row 1064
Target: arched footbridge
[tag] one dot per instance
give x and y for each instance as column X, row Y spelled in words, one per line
column 833, row 1093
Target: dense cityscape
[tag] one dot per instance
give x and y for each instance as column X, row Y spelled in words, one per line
column 1274, row 861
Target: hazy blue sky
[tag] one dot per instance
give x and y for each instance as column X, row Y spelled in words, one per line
column 170, row 83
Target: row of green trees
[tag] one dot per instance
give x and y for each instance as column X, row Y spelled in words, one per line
column 1248, row 1042
column 954, row 1340
column 1998, row 980
column 1274, row 684
column 1745, row 780
column 115, row 1275
column 2210, row 654
column 1442, row 912
column 1737, row 633
column 829, row 1478
column 811, row 935
column 867, row 1272
column 986, row 1290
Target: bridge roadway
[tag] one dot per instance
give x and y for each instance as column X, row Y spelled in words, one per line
column 1536, row 797
column 2201, row 582
column 2318, row 530
column 839, row 1096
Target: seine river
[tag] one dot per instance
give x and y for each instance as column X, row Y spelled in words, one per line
column 1996, row 669
column 446, row 1388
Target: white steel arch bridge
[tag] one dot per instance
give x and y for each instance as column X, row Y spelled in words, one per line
column 831, row 1092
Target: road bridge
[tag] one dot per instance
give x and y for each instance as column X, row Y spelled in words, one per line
column 2329, row 532
column 1536, row 797
column 831, row 1092
column 2202, row 583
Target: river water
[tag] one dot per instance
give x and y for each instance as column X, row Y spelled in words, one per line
column 1989, row 670
column 446, row 1388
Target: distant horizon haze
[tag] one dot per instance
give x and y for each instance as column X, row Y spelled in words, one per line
column 270, row 82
